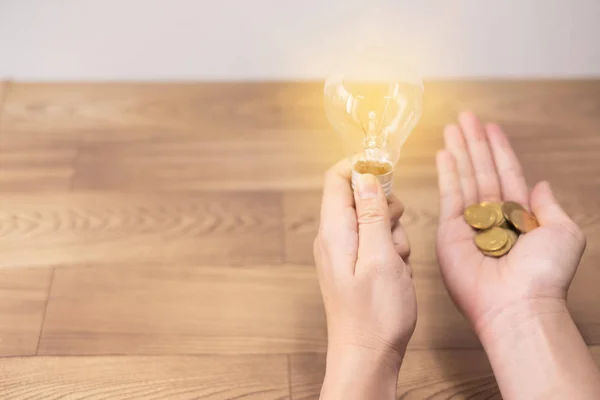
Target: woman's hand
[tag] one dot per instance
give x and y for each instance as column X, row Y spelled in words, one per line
column 517, row 303
column 362, row 253
column 478, row 165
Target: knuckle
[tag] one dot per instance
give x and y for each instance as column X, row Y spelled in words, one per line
column 513, row 170
column 371, row 214
column 401, row 242
column 375, row 262
column 396, row 212
column 396, row 204
column 488, row 191
column 403, row 249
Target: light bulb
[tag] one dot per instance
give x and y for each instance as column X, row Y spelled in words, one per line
column 374, row 106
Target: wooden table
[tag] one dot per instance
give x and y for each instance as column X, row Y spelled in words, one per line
column 155, row 239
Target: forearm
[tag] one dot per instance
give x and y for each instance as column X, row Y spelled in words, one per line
column 537, row 352
column 360, row 373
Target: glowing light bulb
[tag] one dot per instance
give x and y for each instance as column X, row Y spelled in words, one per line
column 374, row 106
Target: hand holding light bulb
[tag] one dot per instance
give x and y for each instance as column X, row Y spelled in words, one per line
column 362, row 250
column 373, row 107
column 361, row 253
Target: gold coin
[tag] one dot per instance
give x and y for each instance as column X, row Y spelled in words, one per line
column 523, row 221
column 505, row 225
column 519, row 217
column 492, row 239
column 498, row 214
column 479, row 217
column 508, row 207
column 512, row 239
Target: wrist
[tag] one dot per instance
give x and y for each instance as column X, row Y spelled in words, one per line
column 340, row 355
column 537, row 352
column 519, row 319
column 355, row 372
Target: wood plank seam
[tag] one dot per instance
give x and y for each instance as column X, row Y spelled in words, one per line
column 49, row 291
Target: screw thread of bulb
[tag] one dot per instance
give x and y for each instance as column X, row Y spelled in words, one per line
column 386, row 181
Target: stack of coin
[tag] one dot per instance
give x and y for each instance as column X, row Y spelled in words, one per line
column 498, row 225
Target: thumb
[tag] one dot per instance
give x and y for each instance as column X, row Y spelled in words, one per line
column 546, row 208
column 372, row 212
column 549, row 212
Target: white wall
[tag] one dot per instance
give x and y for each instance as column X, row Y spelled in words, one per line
column 293, row 39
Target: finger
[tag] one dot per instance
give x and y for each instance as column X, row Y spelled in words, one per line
column 451, row 197
column 396, row 209
column 337, row 191
column 546, row 208
column 549, row 213
column 488, row 187
column 457, row 146
column 401, row 243
column 338, row 229
column 512, row 180
column 373, row 216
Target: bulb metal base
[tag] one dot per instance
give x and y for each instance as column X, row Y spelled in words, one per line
column 385, row 180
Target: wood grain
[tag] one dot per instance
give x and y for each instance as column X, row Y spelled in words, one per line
column 568, row 104
column 301, row 157
column 204, row 136
column 127, row 111
column 275, row 160
column 425, row 374
column 177, row 309
column 144, row 309
column 23, row 294
column 272, row 160
column 301, row 217
column 28, row 165
column 179, row 219
column 81, row 228
column 170, row 377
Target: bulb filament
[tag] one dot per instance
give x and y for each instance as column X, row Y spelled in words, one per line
column 374, row 137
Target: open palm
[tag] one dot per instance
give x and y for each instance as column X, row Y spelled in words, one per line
column 477, row 165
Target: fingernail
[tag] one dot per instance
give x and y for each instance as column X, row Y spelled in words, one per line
column 367, row 186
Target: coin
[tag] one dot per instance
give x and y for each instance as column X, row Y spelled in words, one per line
column 512, row 239
column 519, row 217
column 492, row 239
column 523, row 221
column 498, row 214
column 499, row 225
column 479, row 217
column 509, row 206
